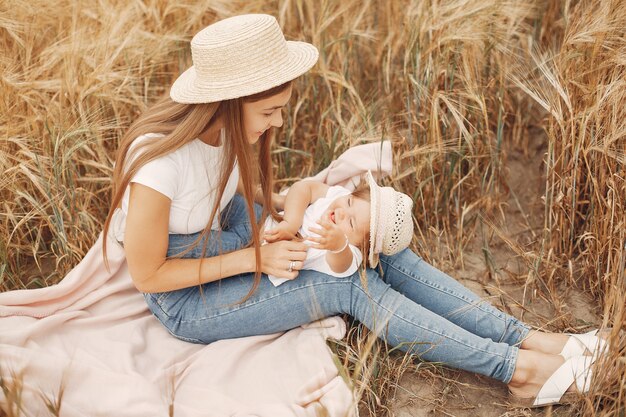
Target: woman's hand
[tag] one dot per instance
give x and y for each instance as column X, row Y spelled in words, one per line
column 283, row 259
column 331, row 237
column 282, row 231
column 278, row 201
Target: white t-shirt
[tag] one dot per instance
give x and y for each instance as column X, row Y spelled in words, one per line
column 189, row 177
column 316, row 258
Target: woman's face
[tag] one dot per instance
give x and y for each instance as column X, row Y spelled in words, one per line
column 352, row 216
column 263, row 114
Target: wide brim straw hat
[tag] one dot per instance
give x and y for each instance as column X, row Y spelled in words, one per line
column 240, row 56
column 391, row 221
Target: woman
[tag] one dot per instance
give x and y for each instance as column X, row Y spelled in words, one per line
column 184, row 194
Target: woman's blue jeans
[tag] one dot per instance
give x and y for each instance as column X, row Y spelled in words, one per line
column 413, row 306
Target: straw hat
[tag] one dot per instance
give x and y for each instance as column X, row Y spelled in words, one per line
column 240, row 56
column 391, row 222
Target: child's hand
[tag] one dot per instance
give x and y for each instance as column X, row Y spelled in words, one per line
column 331, row 237
column 282, row 231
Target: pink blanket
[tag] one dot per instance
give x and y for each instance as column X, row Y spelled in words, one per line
column 92, row 337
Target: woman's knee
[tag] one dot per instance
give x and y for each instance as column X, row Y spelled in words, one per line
column 405, row 260
column 373, row 297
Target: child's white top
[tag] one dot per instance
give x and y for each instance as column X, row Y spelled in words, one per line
column 316, row 258
column 189, row 177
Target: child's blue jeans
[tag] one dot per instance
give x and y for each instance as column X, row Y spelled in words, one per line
column 414, row 306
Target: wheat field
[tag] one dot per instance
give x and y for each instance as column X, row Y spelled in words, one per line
column 464, row 89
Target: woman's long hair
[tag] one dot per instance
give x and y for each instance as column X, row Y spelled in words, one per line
column 182, row 123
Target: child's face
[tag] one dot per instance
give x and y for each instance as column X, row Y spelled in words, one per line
column 352, row 216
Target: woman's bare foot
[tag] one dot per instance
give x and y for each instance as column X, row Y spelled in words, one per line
column 552, row 343
column 542, row 379
column 532, row 370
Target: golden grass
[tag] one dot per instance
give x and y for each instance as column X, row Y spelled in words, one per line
column 452, row 83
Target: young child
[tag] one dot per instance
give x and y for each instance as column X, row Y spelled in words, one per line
column 341, row 226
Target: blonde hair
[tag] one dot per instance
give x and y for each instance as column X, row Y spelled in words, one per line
column 182, row 123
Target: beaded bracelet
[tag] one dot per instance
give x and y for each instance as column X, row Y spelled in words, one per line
column 342, row 249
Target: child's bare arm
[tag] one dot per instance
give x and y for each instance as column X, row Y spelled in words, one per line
column 338, row 253
column 340, row 262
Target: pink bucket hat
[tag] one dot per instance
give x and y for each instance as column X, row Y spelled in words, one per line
column 391, row 221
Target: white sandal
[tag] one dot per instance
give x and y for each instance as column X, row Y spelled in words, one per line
column 554, row 391
column 578, row 344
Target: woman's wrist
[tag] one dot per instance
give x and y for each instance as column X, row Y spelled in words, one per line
column 249, row 258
